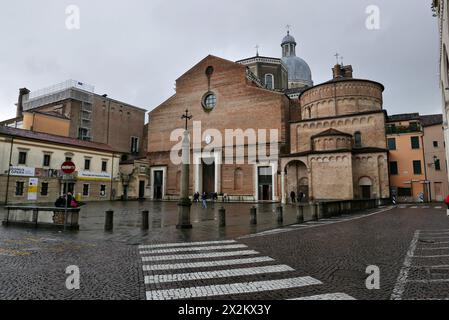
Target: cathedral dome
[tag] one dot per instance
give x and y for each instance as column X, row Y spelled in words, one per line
column 299, row 73
column 298, row 70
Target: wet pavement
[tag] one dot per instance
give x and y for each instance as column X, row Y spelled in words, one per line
column 324, row 260
column 163, row 219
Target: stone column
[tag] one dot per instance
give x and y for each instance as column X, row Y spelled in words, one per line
column 284, row 201
column 185, row 204
column 311, row 194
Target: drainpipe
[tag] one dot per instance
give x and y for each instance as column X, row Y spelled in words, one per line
column 112, row 177
column 428, row 187
column 9, row 172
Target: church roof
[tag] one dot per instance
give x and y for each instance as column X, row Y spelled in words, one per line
column 431, row 120
column 403, row 117
column 331, row 132
column 51, row 138
column 344, row 80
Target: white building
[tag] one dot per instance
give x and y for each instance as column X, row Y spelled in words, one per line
column 30, row 168
column 441, row 10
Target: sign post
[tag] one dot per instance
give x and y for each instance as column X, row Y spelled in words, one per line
column 67, row 167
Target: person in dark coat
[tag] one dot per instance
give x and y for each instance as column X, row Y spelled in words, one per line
column 301, row 196
column 196, row 197
column 293, row 196
column 60, row 202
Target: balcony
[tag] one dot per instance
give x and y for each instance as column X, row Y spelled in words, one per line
column 403, row 129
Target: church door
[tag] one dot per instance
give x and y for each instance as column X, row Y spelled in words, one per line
column 265, row 181
column 366, row 192
column 158, row 185
column 208, row 176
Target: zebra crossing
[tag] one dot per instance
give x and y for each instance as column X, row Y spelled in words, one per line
column 425, row 272
column 414, row 206
column 314, row 224
column 200, row 270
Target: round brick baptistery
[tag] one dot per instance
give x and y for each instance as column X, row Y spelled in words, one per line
column 340, row 97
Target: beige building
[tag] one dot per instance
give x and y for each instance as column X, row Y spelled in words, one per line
column 73, row 109
column 338, row 148
column 135, row 179
column 30, row 168
column 435, row 157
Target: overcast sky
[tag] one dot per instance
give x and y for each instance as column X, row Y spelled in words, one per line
column 134, row 50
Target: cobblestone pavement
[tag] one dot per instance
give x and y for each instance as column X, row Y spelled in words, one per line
column 325, row 260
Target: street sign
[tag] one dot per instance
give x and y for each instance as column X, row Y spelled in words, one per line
column 68, row 167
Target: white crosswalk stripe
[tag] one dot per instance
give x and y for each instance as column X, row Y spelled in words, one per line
column 206, row 264
column 423, row 250
column 216, row 274
column 315, row 224
column 185, row 244
column 200, row 255
column 229, row 289
column 166, row 277
column 329, row 296
column 410, row 206
column 212, row 248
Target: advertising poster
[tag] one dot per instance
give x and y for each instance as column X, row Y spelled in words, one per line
column 32, row 189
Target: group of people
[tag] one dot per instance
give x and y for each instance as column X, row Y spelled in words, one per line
column 300, row 198
column 213, row 196
column 68, row 201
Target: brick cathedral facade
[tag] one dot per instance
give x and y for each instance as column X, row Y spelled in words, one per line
column 331, row 143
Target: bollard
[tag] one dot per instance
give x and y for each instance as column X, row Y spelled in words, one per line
column 253, row 215
column 222, row 217
column 300, row 214
column 316, row 209
column 280, row 214
column 145, row 220
column 109, row 223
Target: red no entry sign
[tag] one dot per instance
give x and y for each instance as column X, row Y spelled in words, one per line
column 68, row 167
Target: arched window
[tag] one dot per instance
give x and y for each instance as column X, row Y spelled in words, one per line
column 269, row 81
column 238, row 179
column 358, row 140
column 307, row 114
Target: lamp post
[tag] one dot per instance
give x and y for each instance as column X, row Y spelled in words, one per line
column 185, row 204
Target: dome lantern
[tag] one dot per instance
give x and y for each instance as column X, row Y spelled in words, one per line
column 299, row 73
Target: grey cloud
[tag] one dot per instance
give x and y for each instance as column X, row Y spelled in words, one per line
column 135, row 50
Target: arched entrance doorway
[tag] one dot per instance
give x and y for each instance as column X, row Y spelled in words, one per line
column 365, row 188
column 297, row 180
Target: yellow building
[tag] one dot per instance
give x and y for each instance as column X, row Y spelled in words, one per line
column 417, row 157
column 46, row 122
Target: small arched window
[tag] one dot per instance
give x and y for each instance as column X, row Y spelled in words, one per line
column 358, row 140
column 269, row 81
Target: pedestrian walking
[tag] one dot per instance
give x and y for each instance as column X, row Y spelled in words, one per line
column 204, row 200
column 293, row 196
column 447, row 204
column 301, row 196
